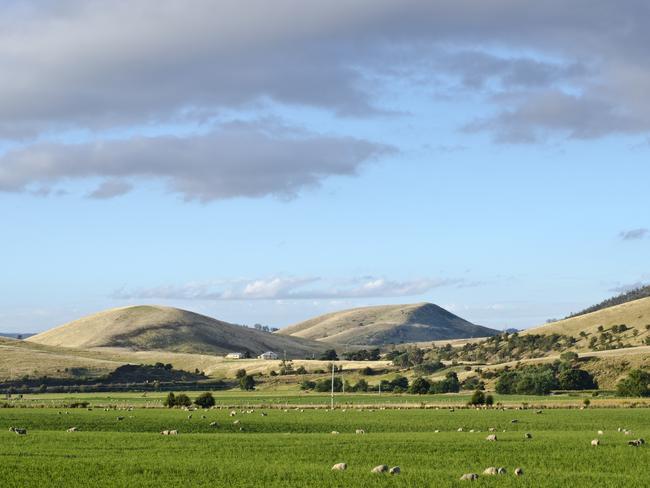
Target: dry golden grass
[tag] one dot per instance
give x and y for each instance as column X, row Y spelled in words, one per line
column 386, row 324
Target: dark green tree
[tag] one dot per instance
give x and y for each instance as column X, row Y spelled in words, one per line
column 205, row 400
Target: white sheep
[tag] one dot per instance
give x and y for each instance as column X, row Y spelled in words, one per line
column 339, row 467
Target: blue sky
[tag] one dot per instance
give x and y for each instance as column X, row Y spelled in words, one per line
column 321, row 159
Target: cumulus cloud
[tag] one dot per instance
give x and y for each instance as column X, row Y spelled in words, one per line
column 634, row 234
column 94, row 64
column 236, row 160
column 288, row 288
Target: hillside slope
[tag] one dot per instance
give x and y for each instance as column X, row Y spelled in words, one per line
column 635, row 315
column 170, row 329
column 387, row 324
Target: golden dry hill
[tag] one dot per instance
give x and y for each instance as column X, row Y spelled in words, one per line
column 148, row 327
column 387, row 324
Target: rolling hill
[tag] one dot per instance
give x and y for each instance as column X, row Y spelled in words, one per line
column 635, row 315
column 147, row 327
column 387, row 324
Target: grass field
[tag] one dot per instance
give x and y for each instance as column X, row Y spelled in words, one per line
column 295, row 448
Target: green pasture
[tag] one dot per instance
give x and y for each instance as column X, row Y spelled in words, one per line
column 295, row 448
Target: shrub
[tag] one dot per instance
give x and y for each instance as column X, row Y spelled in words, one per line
column 170, row 401
column 182, row 400
column 329, row 355
column 205, row 400
column 362, row 385
column 428, row 367
column 419, row 386
column 367, row 371
column 576, row 379
column 569, row 356
column 449, row 385
column 489, row 400
column 240, row 373
column 301, row 370
column 247, row 383
column 478, row 398
column 307, row 385
column 636, row 384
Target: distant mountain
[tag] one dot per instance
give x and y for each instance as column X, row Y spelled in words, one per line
column 170, row 329
column 629, row 296
column 16, row 335
column 387, row 324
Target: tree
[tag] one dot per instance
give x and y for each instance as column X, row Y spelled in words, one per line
column 362, row 385
column 307, row 385
column 419, row 386
column 170, row 401
column 478, row 398
column 569, row 356
column 576, row 379
column 205, row 400
column 636, row 384
column 301, row 370
column 247, row 383
column 489, row 400
column 182, row 400
column 240, row 373
column 329, row 355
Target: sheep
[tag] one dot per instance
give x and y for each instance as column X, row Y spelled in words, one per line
column 264, row 414
column 469, row 477
column 233, row 413
column 382, row 468
column 492, row 429
column 214, row 424
column 491, row 471
column 528, row 435
column 460, row 429
column 164, row 432
column 72, row 429
column 491, row 437
column 18, row 430
column 119, row 419
column 636, row 442
column 501, row 471
column 339, row 467
column 394, row 470
column 518, row 472
column 514, row 421
column 538, row 412
column 600, row 432
column 236, row 422
column 173, row 432
column 360, row 431
column 335, row 432
column 595, row 442
column 189, row 416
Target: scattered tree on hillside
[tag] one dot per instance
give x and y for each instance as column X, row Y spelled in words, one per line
column 636, row 384
column 247, row 383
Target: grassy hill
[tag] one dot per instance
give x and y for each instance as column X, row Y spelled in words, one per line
column 635, row 315
column 388, row 324
column 169, row 329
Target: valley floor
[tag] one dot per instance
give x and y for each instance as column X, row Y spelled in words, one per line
column 295, row 448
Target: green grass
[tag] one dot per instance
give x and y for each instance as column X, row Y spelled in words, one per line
column 296, row 449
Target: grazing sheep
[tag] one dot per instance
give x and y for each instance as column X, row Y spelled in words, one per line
column 538, row 412
column 469, row 477
column 382, row 468
column 595, row 442
column 519, row 472
column 514, row 421
column 436, row 431
column 72, row 429
column 528, row 435
column 119, row 419
column 236, row 422
column 394, row 470
column 492, row 429
column 173, row 432
column 19, row 431
column 491, row 437
column 339, row 467
column 360, row 431
column 460, row 429
column 471, row 431
column 600, row 432
column 636, row 442
column 233, row 413
column 501, row 471
column 203, row 417
column 335, row 432
column 264, row 414
column 214, row 424
column 491, row 471
column 189, row 416
column 164, row 432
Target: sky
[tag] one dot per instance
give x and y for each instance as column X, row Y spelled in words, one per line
column 266, row 162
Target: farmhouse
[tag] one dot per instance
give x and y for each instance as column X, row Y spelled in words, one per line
column 268, row 355
column 235, row 355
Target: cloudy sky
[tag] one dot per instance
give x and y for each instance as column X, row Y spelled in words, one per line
column 269, row 161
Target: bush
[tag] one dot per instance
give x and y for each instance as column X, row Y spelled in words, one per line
column 449, row 385
column 478, row 398
column 240, row 373
column 419, row 386
column 569, row 356
column 637, row 384
column 205, row 400
column 489, row 400
column 170, row 401
column 182, row 400
column 247, row 383
column 576, row 379
column 428, row 367
column 367, row 371
column 307, row 385
column 329, row 355
column 362, row 385
column 301, row 370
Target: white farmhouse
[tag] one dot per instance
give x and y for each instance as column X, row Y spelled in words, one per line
column 235, row 355
column 268, row 355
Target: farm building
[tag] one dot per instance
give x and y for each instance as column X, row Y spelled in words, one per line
column 268, row 355
column 235, row 355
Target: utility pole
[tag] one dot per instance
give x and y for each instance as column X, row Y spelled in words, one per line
column 379, row 387
column 332, row 400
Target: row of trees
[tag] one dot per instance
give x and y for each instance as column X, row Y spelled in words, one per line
column 542, row 379
column 204, row 400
